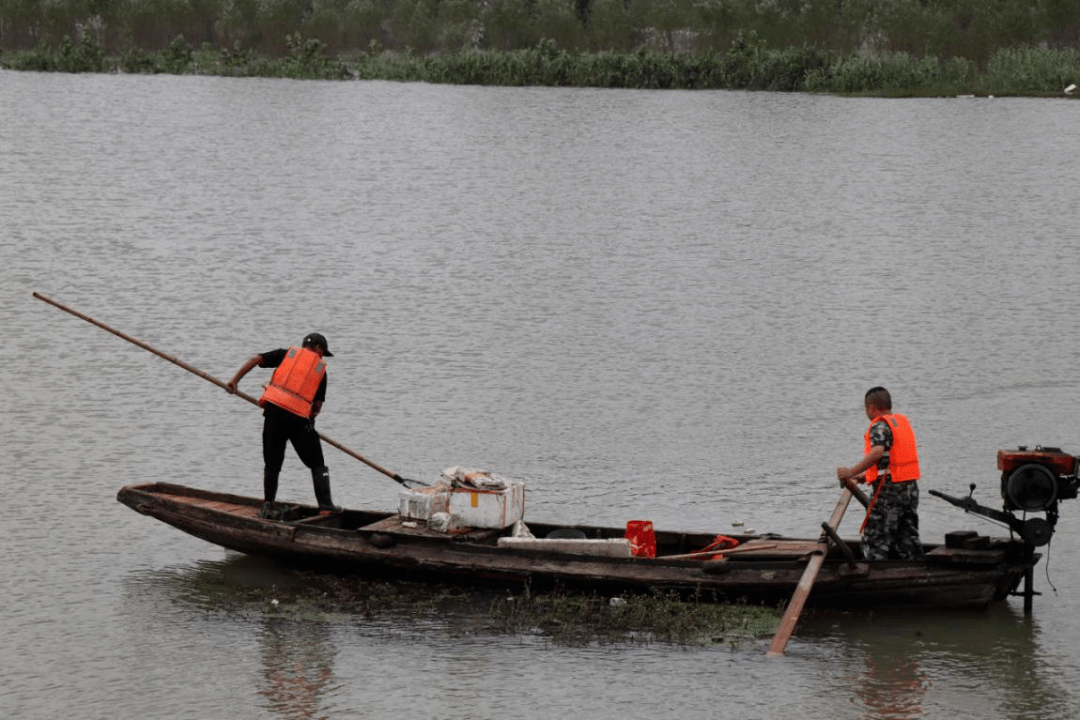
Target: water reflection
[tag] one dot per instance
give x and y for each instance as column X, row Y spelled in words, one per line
column 892, row 687
column 297, row 668
column 906, row 665
column 1033, row 681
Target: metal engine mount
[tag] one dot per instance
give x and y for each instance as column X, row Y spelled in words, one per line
column 1032, row 480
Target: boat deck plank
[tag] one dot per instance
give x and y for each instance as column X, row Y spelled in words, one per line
column 397, row 525
column 964, row 555
column 233, row 508
column 772, row 547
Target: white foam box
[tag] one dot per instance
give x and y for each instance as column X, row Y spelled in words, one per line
column 422, row 503
column 499, row 508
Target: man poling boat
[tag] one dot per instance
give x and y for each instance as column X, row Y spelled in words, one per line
column 405, row 482
column 291, row 401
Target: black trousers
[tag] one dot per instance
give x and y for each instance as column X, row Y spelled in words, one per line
column 279, row 429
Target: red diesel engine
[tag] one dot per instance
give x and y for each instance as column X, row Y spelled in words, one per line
column 1034, row 480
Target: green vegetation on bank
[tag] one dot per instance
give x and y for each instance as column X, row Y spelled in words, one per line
column 886, row 47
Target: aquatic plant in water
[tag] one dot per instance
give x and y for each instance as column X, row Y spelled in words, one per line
column 559, row 615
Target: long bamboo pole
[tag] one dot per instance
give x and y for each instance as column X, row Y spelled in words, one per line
column 210, row 378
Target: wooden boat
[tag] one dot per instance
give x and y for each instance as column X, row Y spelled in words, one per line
column 966, row 571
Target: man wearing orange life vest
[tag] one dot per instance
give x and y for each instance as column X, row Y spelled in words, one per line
column 891, row 466
column 290, row 402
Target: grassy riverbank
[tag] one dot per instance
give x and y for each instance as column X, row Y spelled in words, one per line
column 877, row 47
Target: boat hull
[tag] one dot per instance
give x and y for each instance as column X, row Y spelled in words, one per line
column 766, row 569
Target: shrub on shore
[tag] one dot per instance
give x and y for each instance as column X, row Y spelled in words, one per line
column 891, row 47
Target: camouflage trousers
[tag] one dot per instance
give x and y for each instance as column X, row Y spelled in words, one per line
column 892, row 529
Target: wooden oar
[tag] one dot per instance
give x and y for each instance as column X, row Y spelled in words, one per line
column 806, row 582
column 205, row 376
column 857, row 493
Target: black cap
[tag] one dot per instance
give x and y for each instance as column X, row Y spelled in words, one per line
column 314, row 339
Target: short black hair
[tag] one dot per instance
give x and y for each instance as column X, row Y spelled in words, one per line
column 878, row 397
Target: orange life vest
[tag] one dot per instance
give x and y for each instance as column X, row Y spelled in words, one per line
column 903, row 457
column 295, row 381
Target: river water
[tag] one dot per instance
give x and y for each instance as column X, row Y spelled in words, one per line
column 661, row 305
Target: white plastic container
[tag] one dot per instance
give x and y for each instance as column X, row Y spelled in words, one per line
column 488, row 508
column 611, row 547
column 422, row 503
column 486, row 502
